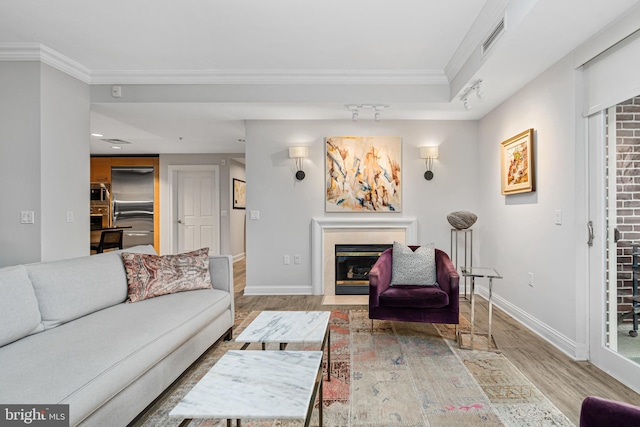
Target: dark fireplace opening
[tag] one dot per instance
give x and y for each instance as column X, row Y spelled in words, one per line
column 353, row 263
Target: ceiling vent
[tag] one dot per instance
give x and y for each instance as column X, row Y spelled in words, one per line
column 116, row 141
column 493, row 37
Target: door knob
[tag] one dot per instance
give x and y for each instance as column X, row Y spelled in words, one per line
column 179, row 221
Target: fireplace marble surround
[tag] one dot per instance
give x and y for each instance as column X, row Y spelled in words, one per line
column 326, row 232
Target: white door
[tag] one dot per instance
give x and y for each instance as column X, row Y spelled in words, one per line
column 604, row 348
column 198, row 222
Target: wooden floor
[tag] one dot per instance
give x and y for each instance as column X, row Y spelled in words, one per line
column 565, row 382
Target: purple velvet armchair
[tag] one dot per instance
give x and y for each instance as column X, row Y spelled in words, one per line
column 413, row 303
column 599, row 412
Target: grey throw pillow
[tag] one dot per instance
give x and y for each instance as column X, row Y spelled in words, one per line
column 413, row 268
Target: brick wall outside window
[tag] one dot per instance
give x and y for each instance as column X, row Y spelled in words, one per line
column 628, row 196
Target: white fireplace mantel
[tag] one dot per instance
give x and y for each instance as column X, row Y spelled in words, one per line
column 319, row 225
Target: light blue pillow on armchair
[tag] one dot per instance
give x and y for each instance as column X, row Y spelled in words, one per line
column 413, row 268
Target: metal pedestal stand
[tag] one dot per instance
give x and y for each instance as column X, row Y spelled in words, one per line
column 468, row 248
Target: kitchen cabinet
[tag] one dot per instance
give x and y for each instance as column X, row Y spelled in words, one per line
column 101, row 169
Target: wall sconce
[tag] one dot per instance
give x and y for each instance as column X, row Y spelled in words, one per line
column 429, row 153
column 299, row 154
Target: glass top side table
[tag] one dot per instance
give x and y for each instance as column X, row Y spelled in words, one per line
column 473, row 273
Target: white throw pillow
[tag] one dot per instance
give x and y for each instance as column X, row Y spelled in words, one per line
column 413, row 268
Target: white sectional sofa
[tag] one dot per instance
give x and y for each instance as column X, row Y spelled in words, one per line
column 68, row 337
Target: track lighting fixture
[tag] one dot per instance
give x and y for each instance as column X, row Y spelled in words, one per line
column 355, row 110
column 475, row 87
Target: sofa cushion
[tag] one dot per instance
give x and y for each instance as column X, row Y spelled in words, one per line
column 414, row 296
column 18, row 305
column 86, row 362
column 150, row 276
column 413, row 268
column 71, row 288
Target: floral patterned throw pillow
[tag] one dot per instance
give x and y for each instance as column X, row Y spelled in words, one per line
column 150, row 276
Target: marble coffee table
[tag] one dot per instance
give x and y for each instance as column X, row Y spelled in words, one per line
column 256, row 385
column 288, row 327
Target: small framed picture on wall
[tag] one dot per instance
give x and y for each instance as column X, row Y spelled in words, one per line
column 239, row 194
column 516, row 164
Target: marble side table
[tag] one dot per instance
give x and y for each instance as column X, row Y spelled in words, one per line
column 288, row 327
column 256, row 385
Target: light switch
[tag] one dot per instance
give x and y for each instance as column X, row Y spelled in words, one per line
column 254, row 214
column 69, row 216
column 558, row 217
column 223, row 213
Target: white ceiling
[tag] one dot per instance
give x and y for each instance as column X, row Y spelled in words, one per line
column 239, row 60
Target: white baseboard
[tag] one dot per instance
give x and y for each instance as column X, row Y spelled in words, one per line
column 560, row 341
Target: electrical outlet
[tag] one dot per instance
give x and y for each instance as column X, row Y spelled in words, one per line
column 296, row 259
column 558, row 217
column 69, row 216
column 286, row 260
column 531, row 279
column 27, row 217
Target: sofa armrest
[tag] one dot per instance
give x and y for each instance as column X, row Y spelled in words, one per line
column 448, row 277
column 221, row 270
column 379, row 277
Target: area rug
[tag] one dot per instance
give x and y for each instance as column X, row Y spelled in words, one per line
column 402, row 374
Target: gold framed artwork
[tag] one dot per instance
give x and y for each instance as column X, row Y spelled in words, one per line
column 363, row 174
column 516, row 164
column 239, row 194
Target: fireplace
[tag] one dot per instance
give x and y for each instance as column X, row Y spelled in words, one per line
column 353, row 263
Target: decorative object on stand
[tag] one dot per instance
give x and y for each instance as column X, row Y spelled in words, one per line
column 299, row 154
column 363, row 174
column 239, row 194
column 516, row 164
column 475, row 87
column 429, row 153
column 377, row 108
column 461, row 220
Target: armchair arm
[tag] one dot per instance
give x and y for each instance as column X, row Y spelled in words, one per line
column 379, row 277
column 448, row 277
column 597, row 411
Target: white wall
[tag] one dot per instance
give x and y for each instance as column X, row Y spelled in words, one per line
column 286, row 206
column 237, row 217
column 44, row 163
column 518, row 235
column 64, row 165
column 19, row 161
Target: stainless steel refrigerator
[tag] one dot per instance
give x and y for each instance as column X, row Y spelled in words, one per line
column 132, row 199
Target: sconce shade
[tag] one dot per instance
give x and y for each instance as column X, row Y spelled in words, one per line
column 429, row 152
column 298, row 152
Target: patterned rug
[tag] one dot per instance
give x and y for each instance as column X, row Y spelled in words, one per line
column 404, row 374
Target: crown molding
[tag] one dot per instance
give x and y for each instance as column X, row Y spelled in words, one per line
column 44, row 54
column 266, row 77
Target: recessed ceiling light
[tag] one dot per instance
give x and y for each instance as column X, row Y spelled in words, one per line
column 97, row 135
